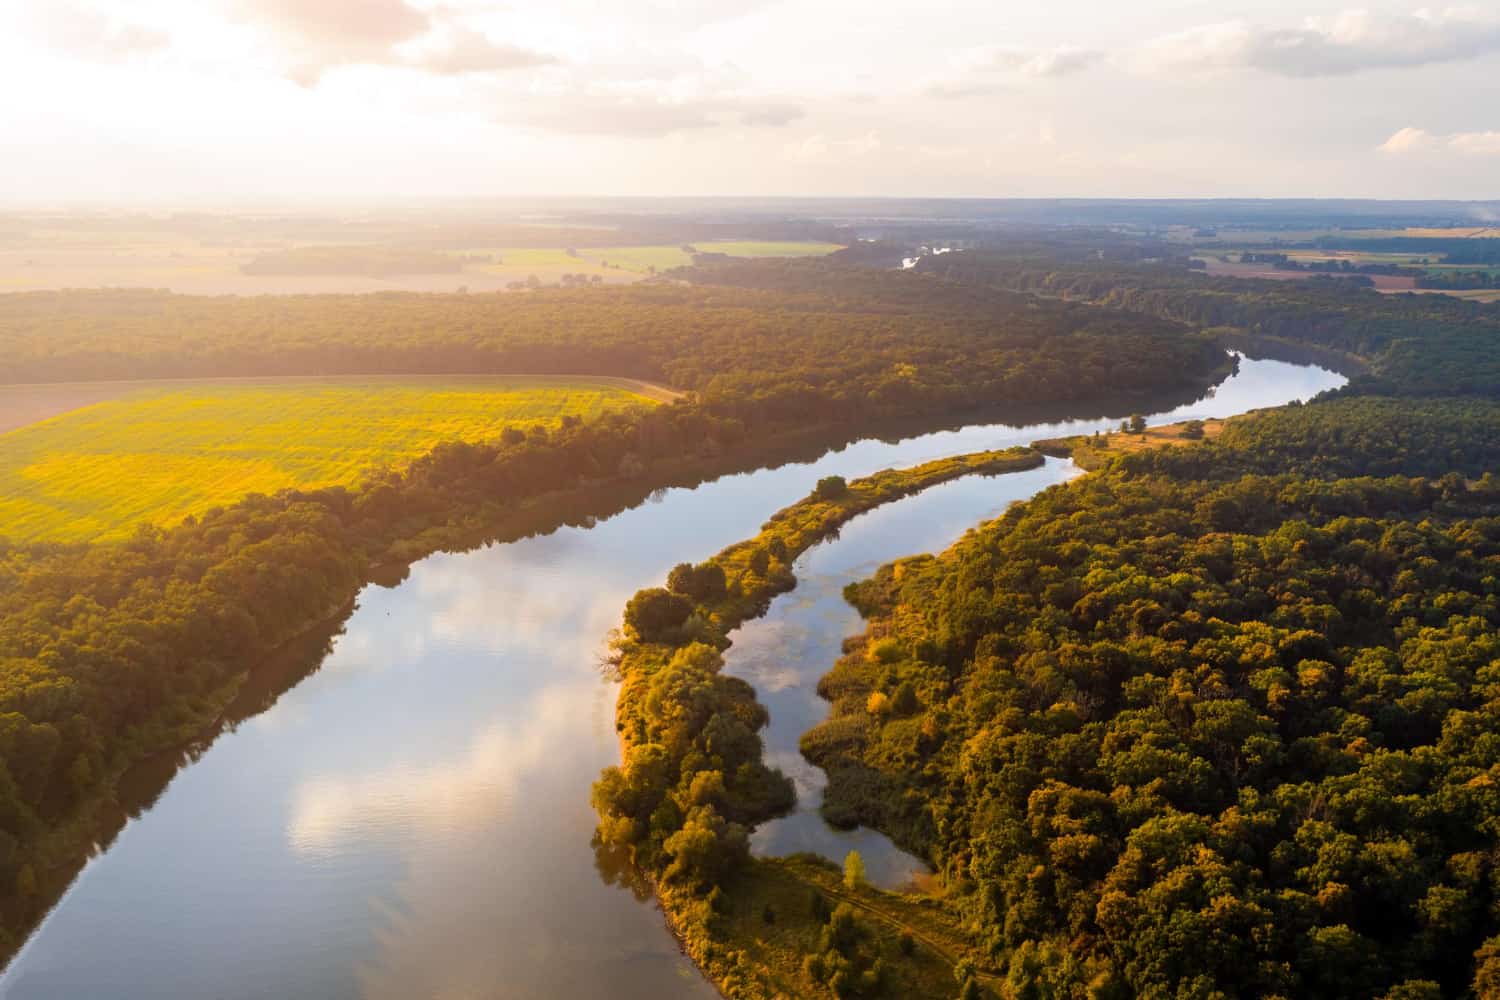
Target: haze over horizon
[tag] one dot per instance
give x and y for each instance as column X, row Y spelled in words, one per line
column 270, row 100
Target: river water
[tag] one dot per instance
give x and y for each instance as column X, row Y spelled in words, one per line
column 411, row 819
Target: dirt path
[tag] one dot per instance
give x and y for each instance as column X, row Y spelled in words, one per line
column 26, row 403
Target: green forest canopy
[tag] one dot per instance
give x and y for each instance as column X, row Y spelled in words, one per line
column 1218, row 720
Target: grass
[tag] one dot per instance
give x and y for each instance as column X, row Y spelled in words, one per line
column 1092, row 452
column 751, row 956
column 662, row 258
column 161, row 454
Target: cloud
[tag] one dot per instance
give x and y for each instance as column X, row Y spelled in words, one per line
column 1407, row 140
column 468, row 51
column 638, row 116
column 321, row 35
column 817, row 148
column 1416, row 140
column 984, row 71
column 342, row 30
column 1354, row 41
column 82, row 32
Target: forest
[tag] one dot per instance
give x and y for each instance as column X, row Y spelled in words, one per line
column 693, row 781
column 112, row 651
column 1214, row 720
column 1413, row 344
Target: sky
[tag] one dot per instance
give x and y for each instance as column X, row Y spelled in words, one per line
column 187, row 101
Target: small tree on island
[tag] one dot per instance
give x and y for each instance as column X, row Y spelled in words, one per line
column 854, row 870
column 655, row 614
column 831, row 488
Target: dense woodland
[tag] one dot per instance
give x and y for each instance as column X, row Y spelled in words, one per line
column 821, row 351
column 112, row 651
column 1219, row 720
column 1414, row 344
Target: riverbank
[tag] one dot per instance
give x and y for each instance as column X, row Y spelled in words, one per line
column 60, row 852
column 682, row 809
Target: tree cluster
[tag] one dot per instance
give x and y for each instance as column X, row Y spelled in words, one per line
column 1221, row 720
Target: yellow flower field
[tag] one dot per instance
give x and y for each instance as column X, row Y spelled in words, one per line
column 158, row 454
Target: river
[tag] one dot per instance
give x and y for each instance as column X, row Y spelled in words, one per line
column 411, row 819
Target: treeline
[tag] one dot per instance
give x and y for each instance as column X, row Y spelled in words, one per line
column 1414, row 344
column 1218, row 720
column 822, row 352
column 1455, row 250
column 1459, row 281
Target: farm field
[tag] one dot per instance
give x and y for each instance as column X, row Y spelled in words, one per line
column 626, row 263
column 161, row 453
column 1273, row 237
column 193, row 268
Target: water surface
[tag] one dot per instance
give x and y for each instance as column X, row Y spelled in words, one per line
column 411, row 819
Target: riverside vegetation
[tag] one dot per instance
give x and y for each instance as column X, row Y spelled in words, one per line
column 1208, row 721
column 692, row 779
column 1215, row 720
column 1218, row 719
column 110, row 651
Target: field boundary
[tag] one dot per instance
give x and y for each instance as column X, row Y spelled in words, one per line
column 36, row 409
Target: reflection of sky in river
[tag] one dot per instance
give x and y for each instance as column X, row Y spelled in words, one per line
column 412, row 820
column 784, row 653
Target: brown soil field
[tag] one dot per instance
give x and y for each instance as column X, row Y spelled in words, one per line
column 26, row 404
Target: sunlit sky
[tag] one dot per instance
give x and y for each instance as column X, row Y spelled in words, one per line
column 203, row 100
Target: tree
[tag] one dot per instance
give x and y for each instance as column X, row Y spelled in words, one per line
column 1136, row 424
column 831, row 488
column 904, row 701
column 854, row 870
column 1193, row 430
column 704, row 584
column 655, row 613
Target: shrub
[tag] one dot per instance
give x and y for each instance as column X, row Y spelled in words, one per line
column 655, row 613
column 831, row 488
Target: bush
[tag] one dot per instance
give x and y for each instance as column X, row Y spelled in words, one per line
column 831, row 488
column 905, row 702
column 704, row 584
column 655, row 613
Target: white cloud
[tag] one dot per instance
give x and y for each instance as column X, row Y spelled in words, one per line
column 1416, row 140
column 318, row 36
column 985, row 71
column 1480, row 143
column 1407, row 140
column 613, row 114
column 465, row 51
column 84, row 32
column 1353, row 41
column 815, row 148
